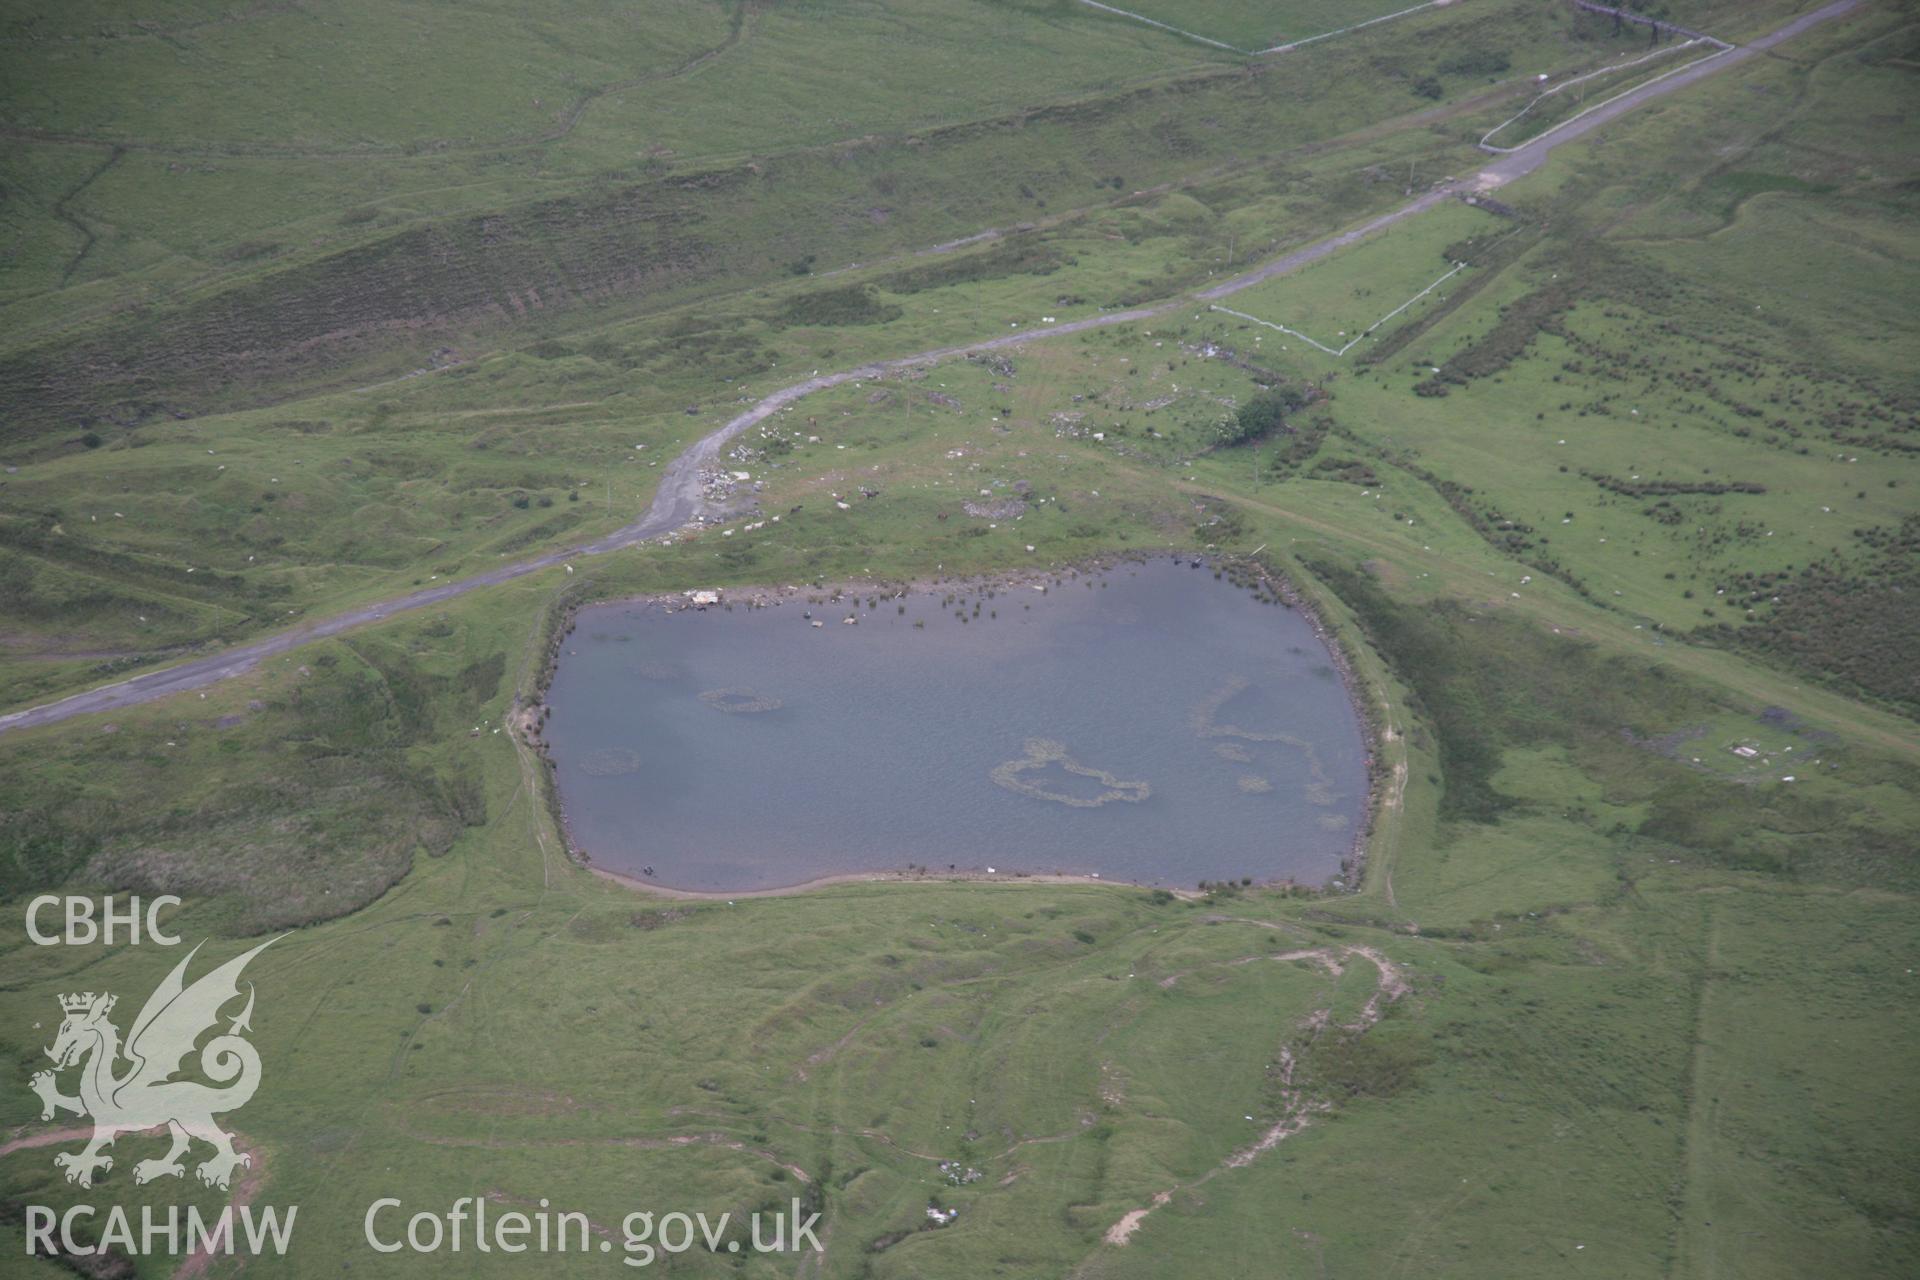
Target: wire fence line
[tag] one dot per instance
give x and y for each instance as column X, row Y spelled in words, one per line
column 1642, row 20
column 1693, row 38
column 1458, row 267
column 1721, row 49
column 1260, row 53
column 1328, row 35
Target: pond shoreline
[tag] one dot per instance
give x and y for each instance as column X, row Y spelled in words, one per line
column 528, row 719
column 900, row 876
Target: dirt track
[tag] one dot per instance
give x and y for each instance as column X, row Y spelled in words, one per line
column 678, row 499
column 1298, row 1106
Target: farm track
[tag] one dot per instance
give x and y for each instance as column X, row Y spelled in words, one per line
column 1298, row 1104
column 678, row 500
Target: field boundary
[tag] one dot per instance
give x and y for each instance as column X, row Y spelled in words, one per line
column 1720, row 48
column 1165, row 26
column 1458, row 267
column 1261, row 53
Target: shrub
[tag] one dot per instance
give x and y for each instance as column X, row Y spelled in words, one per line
column 1479, row 62
column 849, row 304
column 1261, row 416
column 1350, row 1065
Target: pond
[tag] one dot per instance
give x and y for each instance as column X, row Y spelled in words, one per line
column 1145, row 722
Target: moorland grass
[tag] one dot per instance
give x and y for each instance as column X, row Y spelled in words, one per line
column 1659, row 1021
column 466, row 248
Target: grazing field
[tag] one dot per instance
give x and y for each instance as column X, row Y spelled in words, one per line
column 266, row 515
column 1615, row 534
column 203, row 270
column 1348, row 299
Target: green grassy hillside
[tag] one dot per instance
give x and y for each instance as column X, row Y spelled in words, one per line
column 196, row 265
column 1633, row 489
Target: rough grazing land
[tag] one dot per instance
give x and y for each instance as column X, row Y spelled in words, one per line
column 1614, row 538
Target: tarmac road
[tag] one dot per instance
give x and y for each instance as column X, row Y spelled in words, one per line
column 678, row 500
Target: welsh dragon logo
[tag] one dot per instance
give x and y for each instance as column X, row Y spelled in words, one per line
column 144, row 1095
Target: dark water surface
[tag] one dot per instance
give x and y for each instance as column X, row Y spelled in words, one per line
column 1159, row 726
